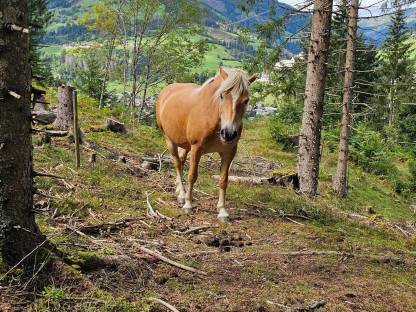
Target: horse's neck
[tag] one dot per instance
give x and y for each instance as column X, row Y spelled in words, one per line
column 208, row 90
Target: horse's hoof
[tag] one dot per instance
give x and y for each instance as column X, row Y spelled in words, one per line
column 187, row 208
column 224, row 218
column 181, row 201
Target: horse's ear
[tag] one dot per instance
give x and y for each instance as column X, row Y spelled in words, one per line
column 253, row 78
column 223, row 73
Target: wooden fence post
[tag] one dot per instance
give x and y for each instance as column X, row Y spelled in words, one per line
column 76, row 129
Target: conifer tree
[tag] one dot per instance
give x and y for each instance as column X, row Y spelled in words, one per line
column 39, row 18
column 396, row 66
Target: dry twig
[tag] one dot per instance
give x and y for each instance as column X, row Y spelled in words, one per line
column 164, row 303
column 171, row 262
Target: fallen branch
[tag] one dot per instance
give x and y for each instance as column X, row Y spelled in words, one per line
column 152, row 213
column 249, row 180
column 164, row 303
column 310, row 308
column 53, row 133
column 47, row 196
column 197, row 230
column 380, row 259
column 41, row 174
column 278, row 180
column 106, row 227
column 171, row 262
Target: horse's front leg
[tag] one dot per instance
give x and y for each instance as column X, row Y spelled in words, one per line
column 226, row 159
column 177, row 155
column 195, row 156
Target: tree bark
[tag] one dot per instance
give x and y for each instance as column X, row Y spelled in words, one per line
column 65, row 112
column 18, row 231
column 340, row 180
column 310, row 136
column 107, row 70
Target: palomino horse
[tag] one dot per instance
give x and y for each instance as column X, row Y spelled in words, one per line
column 204, row 119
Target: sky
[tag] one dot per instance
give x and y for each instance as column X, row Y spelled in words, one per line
column 372, row 5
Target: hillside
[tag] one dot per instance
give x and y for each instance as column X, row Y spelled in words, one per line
column 376, row 29
column 65, row 27
column 353, row 254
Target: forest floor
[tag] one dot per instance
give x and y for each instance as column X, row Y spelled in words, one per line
column 280, row 252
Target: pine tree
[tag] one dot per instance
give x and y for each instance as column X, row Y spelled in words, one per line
column 395, row 64
column 20, row 239
column 39, row 18
column 310, row 136
column 340, row 180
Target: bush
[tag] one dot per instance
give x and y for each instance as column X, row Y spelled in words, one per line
column 369, row 150
column 284, row 133
column 291, row 112
column 330, row 139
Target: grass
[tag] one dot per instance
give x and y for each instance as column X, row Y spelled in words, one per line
column 241, row 280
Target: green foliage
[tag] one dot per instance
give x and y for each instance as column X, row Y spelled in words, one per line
column 396, row 80
column 88, row 76
column 412, row 170
column 53, row 293
column 368, row 149
column 40, row 16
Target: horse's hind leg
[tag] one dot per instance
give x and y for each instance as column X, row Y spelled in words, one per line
column 178, row 163
column 226, row 159
column 192, row 175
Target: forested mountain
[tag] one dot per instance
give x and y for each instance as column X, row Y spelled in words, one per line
column 66, row 28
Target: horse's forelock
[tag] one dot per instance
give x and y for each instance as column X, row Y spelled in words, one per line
column 236, row 83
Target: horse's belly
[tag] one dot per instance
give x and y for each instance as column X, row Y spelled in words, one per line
column 175, row 129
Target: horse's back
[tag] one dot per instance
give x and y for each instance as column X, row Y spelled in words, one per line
column 172, row 109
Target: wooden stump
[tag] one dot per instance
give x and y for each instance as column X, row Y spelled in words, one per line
column 115, row 126
column 65, row 113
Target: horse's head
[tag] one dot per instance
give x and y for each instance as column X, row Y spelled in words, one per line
column 233, row 98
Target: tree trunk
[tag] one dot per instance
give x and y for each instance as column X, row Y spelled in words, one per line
column 340, row 180
column 310, row 136
column 18, row 231
column 65, row 112
column 107, row 70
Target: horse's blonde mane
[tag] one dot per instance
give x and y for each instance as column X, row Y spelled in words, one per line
column 236, row 83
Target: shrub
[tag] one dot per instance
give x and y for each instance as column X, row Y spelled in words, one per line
column 284, row 133
column 285, row 126
column 368, row 149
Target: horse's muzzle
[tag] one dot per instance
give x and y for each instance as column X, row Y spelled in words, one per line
column 228, row 136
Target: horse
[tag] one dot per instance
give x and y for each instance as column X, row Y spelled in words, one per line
column 201, row 119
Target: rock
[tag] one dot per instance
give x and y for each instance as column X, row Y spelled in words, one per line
column 122, row 159
column 44, row 117
column 224, row 242
column 161, row 280
column 149, row 165
column 213, row 242
column 226, row 248
column 258, row 110
column 115, row 126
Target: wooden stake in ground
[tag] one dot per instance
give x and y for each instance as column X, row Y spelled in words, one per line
column 310, row 136
column 76, row 129
column 340, row 180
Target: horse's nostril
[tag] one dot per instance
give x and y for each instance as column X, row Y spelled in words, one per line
column 234, row 134
column 222, row 132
